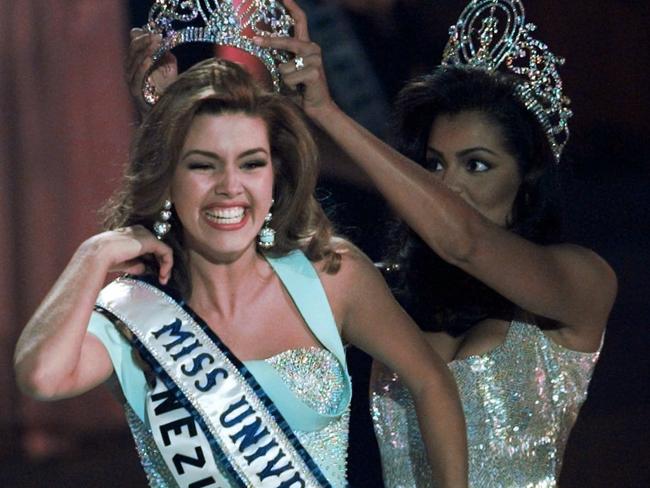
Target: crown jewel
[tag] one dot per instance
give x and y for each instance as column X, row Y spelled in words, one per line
column 493, row 35
column 222, row 22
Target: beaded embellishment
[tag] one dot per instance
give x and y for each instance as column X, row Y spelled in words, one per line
column 222, row 22
column 493, row 35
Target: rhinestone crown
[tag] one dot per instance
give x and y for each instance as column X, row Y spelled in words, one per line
column 493, row 35
column 222, row 22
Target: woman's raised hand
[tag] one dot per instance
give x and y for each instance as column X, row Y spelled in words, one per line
column 120, row 251
column 139, row 60
column 304, row 73
column 55, row 356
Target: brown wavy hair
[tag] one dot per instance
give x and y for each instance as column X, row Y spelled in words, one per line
column 215, row 87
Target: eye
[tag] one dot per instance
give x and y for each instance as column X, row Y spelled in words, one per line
column 253, row 164
column 433, row 164
column 199, row 165
column 478, row 166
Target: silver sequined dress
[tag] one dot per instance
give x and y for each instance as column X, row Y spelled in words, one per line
column 520, row 402
column 316, row 377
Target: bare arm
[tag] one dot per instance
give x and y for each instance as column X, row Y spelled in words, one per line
column 566, row 283
column 55, row 356
column 373, row 321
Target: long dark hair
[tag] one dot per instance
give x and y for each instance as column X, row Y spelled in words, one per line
column 440, row 296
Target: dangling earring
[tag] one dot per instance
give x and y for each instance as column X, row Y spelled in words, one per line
column 162, row 226
column 266, row 235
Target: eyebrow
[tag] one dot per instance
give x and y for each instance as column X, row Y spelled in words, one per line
column 212, row 155
column 464, row 152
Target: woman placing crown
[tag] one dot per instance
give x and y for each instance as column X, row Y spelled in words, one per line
column 225, row 337
column 479, row 141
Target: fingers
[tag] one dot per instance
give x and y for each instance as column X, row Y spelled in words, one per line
column 304, row 73
column 136, row 32
column 139, row 63
column 131, row 243
column 165, row 72
column 133, row 266
column 139, row 58
column 165, row 264
column 160, row 251
column 300, row 28
column 141, row 44
column 309, row 61
column 302, row 77
column 308, row 74
column 291, row 44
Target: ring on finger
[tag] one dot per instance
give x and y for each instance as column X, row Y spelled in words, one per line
column 299, row 62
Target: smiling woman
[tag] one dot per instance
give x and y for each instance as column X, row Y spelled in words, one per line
column 224, row 184
column 228, row 346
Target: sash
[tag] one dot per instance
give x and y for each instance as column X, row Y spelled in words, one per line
column 242, row 439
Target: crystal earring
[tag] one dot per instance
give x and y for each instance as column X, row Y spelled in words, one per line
column 266, row 235
column 162, row 226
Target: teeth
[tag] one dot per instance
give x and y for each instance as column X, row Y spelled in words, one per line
column 229, row 215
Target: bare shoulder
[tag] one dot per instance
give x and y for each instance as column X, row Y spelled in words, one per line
column 356, row 280
column 580, row 253
column 355, row 265
column 596, row 287
column 594, row 271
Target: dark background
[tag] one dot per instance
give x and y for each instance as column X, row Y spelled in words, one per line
column 66, row 121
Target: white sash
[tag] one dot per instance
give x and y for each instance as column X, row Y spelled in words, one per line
column 242, row 439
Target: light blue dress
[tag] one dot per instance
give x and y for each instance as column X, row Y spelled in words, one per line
column 301, row 382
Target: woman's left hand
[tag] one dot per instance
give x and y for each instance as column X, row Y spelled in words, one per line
column 139, row 61
column 304, row 73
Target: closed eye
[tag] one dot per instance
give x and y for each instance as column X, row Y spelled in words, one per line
column 200, row 165
column 253, row 164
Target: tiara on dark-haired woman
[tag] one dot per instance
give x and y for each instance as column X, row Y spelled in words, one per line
column 221, row 22
column 493, row 35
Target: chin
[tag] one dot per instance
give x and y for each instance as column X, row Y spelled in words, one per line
column 224, row 251
column 230, row 254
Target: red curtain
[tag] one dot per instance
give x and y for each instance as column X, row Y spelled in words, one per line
column 64, row 135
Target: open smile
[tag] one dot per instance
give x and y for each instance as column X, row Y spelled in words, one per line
column 227, row 218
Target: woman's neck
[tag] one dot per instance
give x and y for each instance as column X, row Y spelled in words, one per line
column 220, row 287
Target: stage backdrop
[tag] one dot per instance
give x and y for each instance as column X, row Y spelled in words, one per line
column 64, row 134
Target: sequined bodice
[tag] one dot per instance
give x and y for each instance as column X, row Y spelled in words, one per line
column 315, row 376
column 520, row 402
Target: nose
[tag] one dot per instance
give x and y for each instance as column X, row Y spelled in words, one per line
column 452, row 178
column 228, row 182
